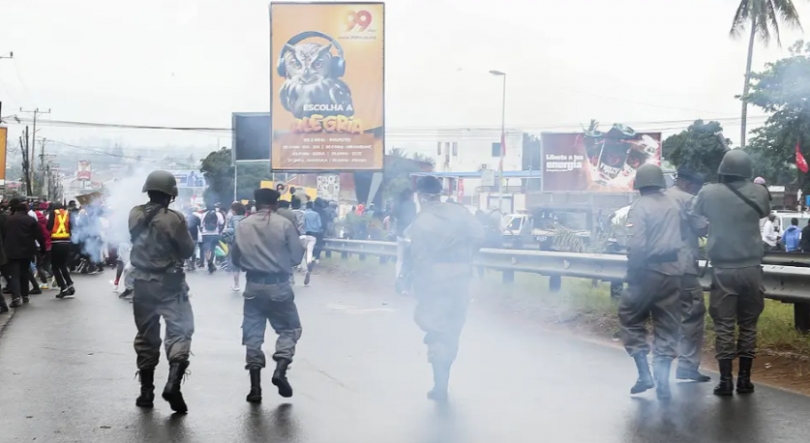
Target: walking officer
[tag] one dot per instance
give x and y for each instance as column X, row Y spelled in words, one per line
column 734, row 207
column 161, row 244
column 267, row 247
column 653, row 277
column 693, row 306
column 444, row 238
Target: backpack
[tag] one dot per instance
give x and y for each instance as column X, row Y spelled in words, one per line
column 211, row 221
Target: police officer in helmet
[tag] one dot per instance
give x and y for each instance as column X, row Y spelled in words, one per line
column 734, row 207
column 444, row 238
column 160, row 245
column 693, row 306
column 653, row 277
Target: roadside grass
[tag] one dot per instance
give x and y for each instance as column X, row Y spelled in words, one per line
column 581, row 303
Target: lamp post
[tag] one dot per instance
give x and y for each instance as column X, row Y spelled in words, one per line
column 503, row 139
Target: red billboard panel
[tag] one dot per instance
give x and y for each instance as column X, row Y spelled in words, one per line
column 600, row 162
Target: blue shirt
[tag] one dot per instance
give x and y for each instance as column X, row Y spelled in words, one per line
column 312, row 221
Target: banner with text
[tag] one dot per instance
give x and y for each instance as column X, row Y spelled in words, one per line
column 3, row 141
column 602, row 162
column 327, row 88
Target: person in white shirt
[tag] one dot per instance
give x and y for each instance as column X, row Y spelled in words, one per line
column 769, row 236
column 210, row 228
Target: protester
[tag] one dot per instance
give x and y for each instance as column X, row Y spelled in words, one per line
column 23, row 234
column 792, row 236
column 312, row 230
column 228, row 236
column 212, row 223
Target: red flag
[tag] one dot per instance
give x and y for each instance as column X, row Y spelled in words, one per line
column 801, row 163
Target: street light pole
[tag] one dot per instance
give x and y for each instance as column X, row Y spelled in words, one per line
column 503, row 139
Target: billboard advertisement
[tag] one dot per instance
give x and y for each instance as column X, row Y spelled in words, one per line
column 83, row 172
column 326, row 86
column 597, row 162
column 251, row 136
column 3, row 141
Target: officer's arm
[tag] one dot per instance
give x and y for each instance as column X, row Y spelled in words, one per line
column 636, row 240
column 293, row 243
column 236, row 253
column 699, row 223
column 476, row 233
column 185, row 244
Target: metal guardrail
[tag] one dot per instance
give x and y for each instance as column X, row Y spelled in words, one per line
column 786, row 276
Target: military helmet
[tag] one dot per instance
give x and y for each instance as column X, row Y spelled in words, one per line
column 736, row 163
column 161, row 181
column 429, row 185
column 649, row 176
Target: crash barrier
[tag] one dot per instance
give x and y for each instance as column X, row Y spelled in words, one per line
column 786, row 276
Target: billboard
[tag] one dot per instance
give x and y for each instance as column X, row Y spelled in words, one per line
column 83, row 172
column 326, row 86
column 251, row 136
column 596, row 162
column 3, row 141
column 189, row 179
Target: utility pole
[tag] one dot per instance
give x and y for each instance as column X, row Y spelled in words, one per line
column 36, row 112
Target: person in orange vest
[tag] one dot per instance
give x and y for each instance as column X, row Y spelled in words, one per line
column 59, row 224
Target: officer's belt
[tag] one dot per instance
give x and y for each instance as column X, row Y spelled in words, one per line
column 267, row 278
column 663, row 258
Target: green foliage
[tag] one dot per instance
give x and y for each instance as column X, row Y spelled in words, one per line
column 700, row 148
column 782, row 90
column 218, row 171
column 765, row 15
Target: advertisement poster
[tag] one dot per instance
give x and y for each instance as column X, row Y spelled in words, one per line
column 83, row 172
column 326, row 86
column 3, row 141
column 597, row 162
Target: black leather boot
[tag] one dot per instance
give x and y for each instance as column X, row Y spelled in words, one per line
column 744, row 385
column 147, row 397
column 662, row 367
column 645, row 380
column 255, row 394
column 280, row 378
column 691, row 374
column 441, row 380
column 171, row 393
column 726, row 386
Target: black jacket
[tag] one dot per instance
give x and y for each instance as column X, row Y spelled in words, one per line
column 22, row 231
column 804, row 244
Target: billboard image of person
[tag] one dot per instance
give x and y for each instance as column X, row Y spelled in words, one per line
column 327, row 89
column 597, row 162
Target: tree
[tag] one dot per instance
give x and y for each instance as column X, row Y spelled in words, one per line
column 763, row 16
column 217, row 169
column 700, row 148
column 782, row 90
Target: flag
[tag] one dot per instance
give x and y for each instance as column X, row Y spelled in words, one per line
column 801, row 163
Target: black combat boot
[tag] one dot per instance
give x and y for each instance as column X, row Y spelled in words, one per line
column 147, row 397
column 691, row 374
column 441, row 380
column 255, row 394
column 16, row 302
column 726, row 386
column 171, row 393
column 744, row 385
column 280, row 378
column 662, row 368
column 645, row 379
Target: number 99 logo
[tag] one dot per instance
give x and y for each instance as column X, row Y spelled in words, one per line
column 355, row 19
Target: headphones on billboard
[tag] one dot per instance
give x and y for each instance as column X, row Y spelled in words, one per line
column 338, row 63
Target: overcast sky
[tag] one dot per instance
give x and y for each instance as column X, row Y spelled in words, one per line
column 193, row 62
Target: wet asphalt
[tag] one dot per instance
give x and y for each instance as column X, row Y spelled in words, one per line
column 67, row 374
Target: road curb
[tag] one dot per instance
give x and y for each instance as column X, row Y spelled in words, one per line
column 5, row 318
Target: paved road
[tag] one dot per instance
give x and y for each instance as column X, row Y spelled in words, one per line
column 67, row 375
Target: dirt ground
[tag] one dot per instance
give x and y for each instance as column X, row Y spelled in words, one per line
column 784, row 370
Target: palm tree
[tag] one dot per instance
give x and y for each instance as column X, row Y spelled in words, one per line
column 763, row 16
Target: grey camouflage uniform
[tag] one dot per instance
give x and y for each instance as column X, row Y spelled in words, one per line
column 735, row 250
column 267, row 247
column 444, row 238
column 160, row 289
column 653, row 274
column 693, row 305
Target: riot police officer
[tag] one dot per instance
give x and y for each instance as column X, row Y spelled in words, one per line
column 160, row 245
column 653, row 276
column 693, row 306
column 444, row 238
column 734, row 207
